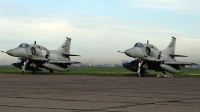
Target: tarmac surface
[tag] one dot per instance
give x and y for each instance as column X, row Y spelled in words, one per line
column 79, row 93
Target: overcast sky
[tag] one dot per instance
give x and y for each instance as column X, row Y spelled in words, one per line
column 99, row 28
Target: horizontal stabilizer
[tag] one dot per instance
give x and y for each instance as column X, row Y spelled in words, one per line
column 59, row 61
column 70, row 54
column 175, row 55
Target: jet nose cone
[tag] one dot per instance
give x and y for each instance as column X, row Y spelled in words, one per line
column 128, row 52
column 9, row 52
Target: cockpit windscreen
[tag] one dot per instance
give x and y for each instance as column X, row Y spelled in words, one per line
column 24, row 45
column 139, row 44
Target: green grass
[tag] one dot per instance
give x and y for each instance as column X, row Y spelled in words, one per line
column 74, row 70
column 5, row 69
column 101, row 71
column 190, row 71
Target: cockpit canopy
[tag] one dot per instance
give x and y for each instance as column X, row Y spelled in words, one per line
column 24, row 45
column 139, row 44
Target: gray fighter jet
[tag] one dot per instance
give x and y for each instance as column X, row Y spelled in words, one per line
column 33, row 57
column 147, row 56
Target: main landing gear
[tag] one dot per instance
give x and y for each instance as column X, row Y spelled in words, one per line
column 50, row 72
column 34, row 70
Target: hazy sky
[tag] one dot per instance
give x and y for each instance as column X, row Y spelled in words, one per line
column 99, row 28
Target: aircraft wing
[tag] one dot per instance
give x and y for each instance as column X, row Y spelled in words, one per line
column 37, row 58
column 70, row 54
column 178, row 62
column 169, row 62
column 59, row 61
column 148, row 58
column 176, row 55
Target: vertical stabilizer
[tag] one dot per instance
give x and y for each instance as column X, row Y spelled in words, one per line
column 171, row 47
column 65, row 47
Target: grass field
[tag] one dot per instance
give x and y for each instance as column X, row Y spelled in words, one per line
column 101, row 71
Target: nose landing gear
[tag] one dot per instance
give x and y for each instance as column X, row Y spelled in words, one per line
column 24, row 66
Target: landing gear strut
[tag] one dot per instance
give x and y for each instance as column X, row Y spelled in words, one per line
column 34, row 70
column 50, row 72
column 24, row 66
column 34, row 65
column 139, row 68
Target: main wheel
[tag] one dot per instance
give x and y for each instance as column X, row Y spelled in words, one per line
column 50, row 72
column 143, row 72
column 33, row 72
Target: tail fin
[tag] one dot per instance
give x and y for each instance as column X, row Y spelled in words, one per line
column 171, row 47
column 65, row 47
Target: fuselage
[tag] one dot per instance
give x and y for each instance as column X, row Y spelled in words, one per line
column 148, row 51
column 32, row 51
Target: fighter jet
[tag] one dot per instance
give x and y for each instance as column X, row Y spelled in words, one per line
column 33, row 57
column 147, row 56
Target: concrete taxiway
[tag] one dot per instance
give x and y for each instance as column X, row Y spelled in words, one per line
column 79, row 93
